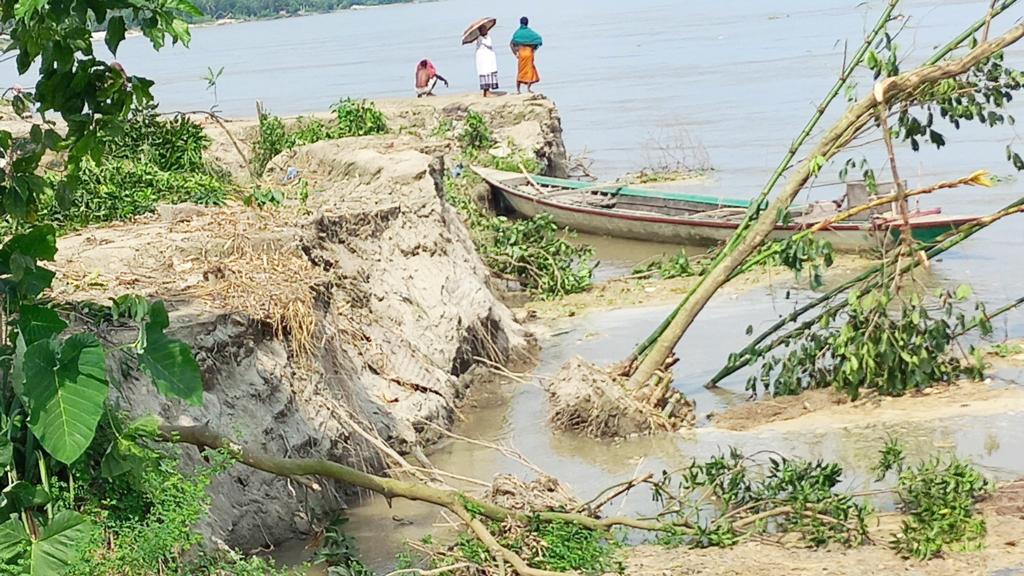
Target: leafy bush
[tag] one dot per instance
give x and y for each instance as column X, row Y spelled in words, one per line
column 476, row 135
column 358, row 118
column 939, row 498
column 123, row 189
column 571, row 548
column 556, row 546
column 172, row 145
column 145, row 513
column 148, row 162
column 538, row 254
column 352, row 118
column 800, row 496
column 272, row 139
column 871, row 346
column 516, row 160
column 339, row 553
column 534, row 252
column 800, row 253
column 676, row 266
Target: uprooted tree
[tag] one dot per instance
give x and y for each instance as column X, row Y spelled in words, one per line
column 964, row 80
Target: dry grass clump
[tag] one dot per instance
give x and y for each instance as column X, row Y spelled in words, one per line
column 221, row 258
column 589, row 400
column 250, row 263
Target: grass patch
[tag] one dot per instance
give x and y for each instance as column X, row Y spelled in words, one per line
column 351, row 118
column 534, row 252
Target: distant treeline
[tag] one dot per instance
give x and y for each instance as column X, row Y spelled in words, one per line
column 244, row 9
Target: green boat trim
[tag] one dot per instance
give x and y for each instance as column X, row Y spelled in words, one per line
column 643, row 193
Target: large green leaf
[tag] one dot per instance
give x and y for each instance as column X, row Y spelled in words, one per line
column 6, row 451
column 18, row 367
column 40, row 243
column 14, row 541
column 21, row 495
column 39, row 323
column 115, row 462
column 60, row 544
column 66, row 389
column 115, row 33
column 169, row 362
column 25, row 8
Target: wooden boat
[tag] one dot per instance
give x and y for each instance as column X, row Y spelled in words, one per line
column 699, row 220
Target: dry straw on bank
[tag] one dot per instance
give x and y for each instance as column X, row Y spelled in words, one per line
column 235, row 261
column 253, row 268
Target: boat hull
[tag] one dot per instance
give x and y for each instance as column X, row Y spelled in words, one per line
column 844, row 237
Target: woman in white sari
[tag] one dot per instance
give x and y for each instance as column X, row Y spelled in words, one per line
column 486, row 63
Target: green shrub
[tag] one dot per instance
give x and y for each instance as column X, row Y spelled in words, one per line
column 476, row 135
column 939, row 497
column 151, row 161
column 123, row 189
column 676, row 266
column 881, row 341
column 272, row 139
column 535, row 252
column 338, row 552
column 352, row 118
column 358, row 118
column 172, row 145
column 538, row 254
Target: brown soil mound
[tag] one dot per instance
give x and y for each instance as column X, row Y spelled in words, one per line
column 589, row 400
column 752, row 414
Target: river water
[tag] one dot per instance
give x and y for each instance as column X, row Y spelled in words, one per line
column 737, row 79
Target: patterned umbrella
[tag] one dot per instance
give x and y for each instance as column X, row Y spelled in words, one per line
column 476, row 28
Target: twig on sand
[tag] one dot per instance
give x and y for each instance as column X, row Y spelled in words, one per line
column 440, row 472
column 521, row 377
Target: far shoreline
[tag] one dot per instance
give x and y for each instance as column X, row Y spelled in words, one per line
column 230, row 20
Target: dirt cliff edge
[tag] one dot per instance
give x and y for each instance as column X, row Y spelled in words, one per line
column 321, row 327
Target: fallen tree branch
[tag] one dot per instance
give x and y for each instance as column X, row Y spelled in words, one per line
column 495, row 547
column 979, row 178
column 203, row 437
column 510, row 453
column 434, row 572
column 612, row 492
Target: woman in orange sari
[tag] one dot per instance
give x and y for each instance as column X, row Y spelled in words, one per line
column 525, row 43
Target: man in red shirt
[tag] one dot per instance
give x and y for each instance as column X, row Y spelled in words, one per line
column 426, row 79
